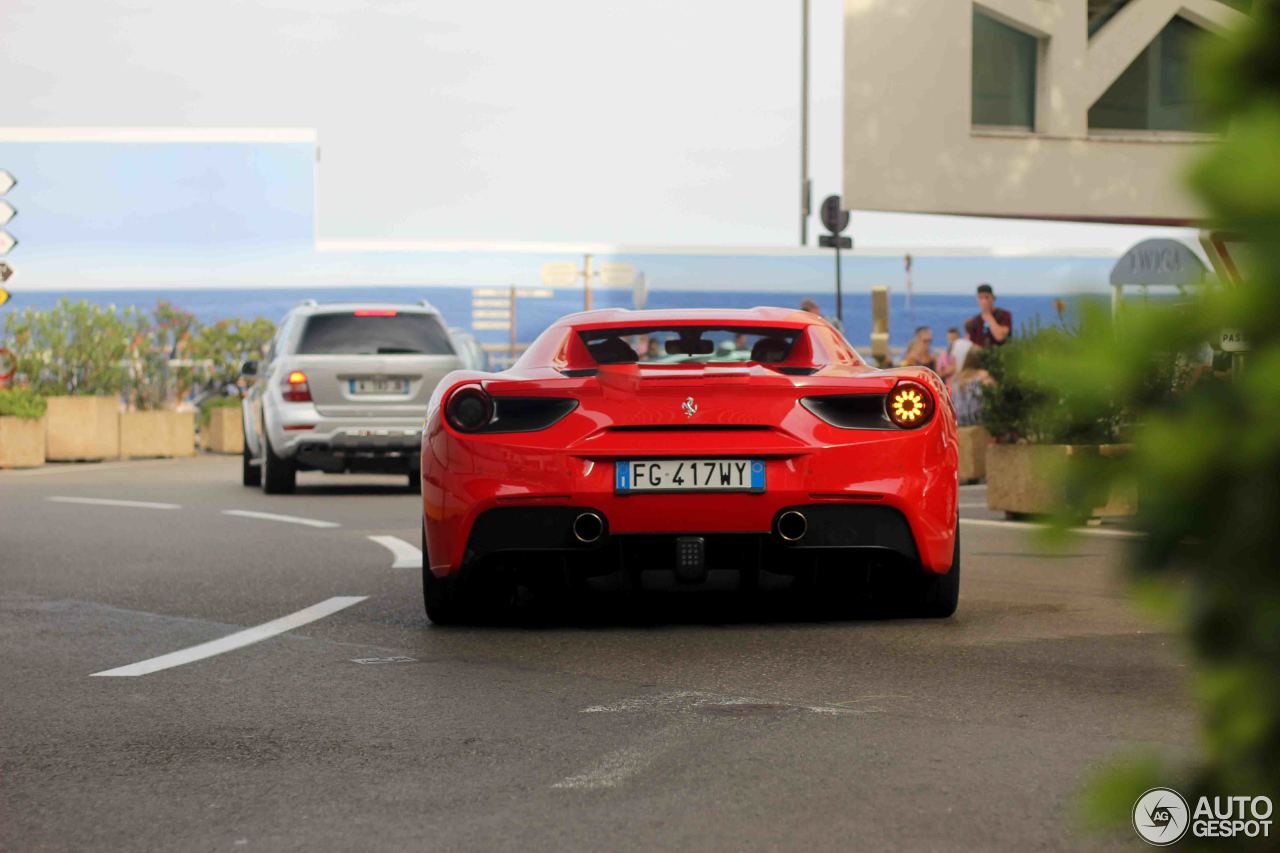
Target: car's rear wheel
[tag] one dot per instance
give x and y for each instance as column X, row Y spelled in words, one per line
column 938, row 595
column 279, row 475
column 415, row 481
column 250, row 472
column 446, row 599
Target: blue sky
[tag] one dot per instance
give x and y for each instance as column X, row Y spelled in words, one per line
column 110, row 215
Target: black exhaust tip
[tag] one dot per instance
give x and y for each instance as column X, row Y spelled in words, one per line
column 588, row 527
column 792, row 526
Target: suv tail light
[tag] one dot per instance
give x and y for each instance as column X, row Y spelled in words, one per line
column 296, row 389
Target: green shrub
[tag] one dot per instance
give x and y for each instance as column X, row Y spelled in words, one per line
column 73, row 348
column 21, row 403
column 1206, row 447
column 1027, row 404
column 210, row 403
column 222, row 347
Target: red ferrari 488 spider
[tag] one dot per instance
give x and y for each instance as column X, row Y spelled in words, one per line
column 688, row 441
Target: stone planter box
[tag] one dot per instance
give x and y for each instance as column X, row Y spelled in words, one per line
column 21, row 442
column 1021, row 479
column 225, row 433
column 973, row 453
column 82, row 428
column 157, row 434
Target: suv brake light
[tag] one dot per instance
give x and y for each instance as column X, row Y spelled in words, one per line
column 296, row 389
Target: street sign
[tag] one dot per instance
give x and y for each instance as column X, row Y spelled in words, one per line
column 7, row 212
column 1232, row 340
column 1159, row 262
column 6, row 273
column 833, row 217
column 831, row 241
column 7, row 182
column 617, row 275
column 7, row 242
column 559, row 273
column 4, row 296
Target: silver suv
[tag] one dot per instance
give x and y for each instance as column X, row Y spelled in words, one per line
column 344, row 387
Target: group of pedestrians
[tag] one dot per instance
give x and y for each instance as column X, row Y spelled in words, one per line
column 959, row 364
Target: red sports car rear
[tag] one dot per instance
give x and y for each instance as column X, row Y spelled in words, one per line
column 684, row 442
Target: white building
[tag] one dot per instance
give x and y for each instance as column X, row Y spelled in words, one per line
column 1053, row 109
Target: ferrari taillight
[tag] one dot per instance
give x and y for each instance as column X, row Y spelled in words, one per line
column 295, row 388
column 909, row 405
column 469, row 409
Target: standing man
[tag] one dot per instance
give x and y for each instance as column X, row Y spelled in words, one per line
column 991, row 326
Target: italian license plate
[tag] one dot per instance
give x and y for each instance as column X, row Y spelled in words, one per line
column 689, row 475
column 379, row 385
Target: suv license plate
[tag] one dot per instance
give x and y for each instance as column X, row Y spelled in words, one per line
column 379, row 386
column 689, row 475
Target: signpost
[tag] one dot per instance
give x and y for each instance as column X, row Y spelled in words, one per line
column 836, row 220
column 611, row 274
column 7, row 241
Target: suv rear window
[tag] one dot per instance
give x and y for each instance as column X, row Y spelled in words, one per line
column 374, row 333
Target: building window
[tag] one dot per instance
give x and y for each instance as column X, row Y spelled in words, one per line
column 1155, row 91
column 1004, row 74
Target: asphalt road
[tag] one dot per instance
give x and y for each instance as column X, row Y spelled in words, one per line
column 689, row 726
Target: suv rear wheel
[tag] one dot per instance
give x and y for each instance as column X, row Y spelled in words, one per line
column 279, row 475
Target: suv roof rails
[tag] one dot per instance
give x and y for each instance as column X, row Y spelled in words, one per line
column 426, row 303
column 307, row 303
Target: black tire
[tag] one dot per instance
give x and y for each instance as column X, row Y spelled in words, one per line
column 279, row 476
column 445, row 599
column 250, row 474
column 415, row 481
column 940, row 594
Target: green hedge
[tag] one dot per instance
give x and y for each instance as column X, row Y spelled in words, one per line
column 21, row 403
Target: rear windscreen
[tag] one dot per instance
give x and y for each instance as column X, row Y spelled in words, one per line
column 689, row 344
column 374, row 334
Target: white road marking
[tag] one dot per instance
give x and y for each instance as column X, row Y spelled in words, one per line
column 1027, row 525
column 62, row 499
column 972, row 505
column 288, row 519
column 406, row 555
column 238, row 640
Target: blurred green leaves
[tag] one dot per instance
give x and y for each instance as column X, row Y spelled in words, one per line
column 1206, row 453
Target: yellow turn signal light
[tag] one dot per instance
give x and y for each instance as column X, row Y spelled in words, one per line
column 909, row 404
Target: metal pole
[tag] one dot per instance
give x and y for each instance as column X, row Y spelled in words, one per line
column 804, row 123
column 586, row 281
column 513, row 323
column 839, row 292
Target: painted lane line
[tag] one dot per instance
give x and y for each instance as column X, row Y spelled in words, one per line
column 1029, row 526
column 288, row 519
column 238, row 640
column 63, row 499
column 406, row 556
column 973, row 505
